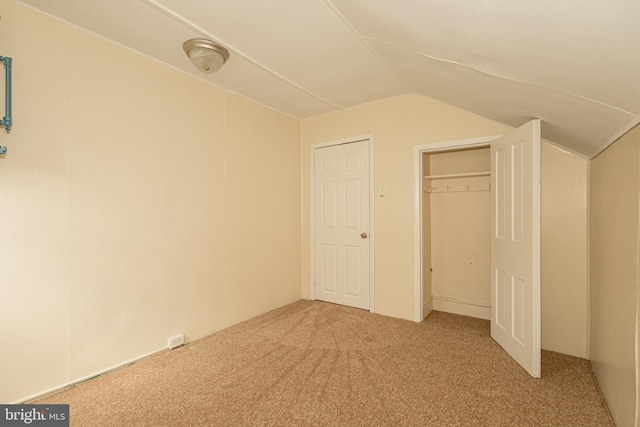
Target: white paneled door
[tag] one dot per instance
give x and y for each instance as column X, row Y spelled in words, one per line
column 515, row 245
column 341, row 224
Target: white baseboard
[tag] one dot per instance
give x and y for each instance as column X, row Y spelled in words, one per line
column 465, row 308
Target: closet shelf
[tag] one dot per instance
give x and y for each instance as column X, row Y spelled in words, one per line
column 458, row 175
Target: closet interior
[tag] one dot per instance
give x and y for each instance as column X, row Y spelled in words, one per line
column 456, row 228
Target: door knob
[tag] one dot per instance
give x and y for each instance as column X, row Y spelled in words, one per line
column 364, row 235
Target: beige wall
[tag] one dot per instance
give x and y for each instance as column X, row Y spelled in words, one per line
column 398, row 124
column 563, row 251
column 136, row 203
column 615, row 189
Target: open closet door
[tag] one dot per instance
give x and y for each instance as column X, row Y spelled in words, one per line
column 515, row 245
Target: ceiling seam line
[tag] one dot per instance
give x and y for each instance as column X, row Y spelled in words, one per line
column 604, row 104
column 363, row 40
column 447, row 61
column 190, row 25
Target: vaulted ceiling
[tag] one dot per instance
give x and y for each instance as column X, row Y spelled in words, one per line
column 572, row 63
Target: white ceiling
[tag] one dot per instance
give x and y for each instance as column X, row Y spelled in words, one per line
column 572, row 63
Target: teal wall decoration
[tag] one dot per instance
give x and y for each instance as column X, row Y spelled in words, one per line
column 6, row 120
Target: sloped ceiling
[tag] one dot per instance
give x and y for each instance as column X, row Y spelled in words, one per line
column 572, row 63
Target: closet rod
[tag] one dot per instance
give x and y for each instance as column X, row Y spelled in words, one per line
column 458, row 175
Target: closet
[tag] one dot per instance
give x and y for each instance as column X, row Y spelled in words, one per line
column 456, row 224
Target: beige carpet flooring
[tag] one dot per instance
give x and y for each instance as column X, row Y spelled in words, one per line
column 318, row 364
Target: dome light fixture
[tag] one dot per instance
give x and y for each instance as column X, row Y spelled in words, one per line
column 206, row 55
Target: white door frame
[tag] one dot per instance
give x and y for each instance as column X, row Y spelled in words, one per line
column 418, row 150
column 372, row 234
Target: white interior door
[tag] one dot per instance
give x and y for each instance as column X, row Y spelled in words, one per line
column 341, row 224
column 515, row 245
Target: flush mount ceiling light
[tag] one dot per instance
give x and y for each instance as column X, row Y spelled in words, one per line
column 206, row 55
